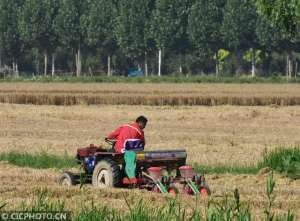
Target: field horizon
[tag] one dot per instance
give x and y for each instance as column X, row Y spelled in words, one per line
column 150, row 94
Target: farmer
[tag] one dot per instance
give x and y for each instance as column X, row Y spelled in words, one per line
column 130, row 137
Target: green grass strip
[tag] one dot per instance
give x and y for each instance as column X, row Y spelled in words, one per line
column 154, row 79
column 283, row 160
column 38, row 161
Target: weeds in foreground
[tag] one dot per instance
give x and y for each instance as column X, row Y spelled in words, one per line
column 42, row 203
column 270, row 216
column 283, row 160
column 230, row 208
column 271, row 197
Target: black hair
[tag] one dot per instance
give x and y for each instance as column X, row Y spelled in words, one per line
column 142, row 119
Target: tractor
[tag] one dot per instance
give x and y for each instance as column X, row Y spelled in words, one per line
column 162, row 171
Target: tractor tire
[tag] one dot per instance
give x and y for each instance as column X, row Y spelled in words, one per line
column 106, row 174
column 207, row 189
column 67, row 179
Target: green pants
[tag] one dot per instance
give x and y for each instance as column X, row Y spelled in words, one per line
column 130, row 163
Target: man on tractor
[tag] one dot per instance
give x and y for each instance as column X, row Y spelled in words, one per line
column 130, row 138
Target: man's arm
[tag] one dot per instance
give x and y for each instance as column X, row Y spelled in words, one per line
column 114, row 134
column 143, row 138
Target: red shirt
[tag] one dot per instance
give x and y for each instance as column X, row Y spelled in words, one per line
column 125, row 132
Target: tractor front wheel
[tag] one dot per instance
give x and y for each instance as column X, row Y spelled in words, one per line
column 67, row 179
column 106, row 174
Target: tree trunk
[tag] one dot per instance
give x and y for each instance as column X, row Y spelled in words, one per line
column 90, row 71
column 217, row 64
column 53, row 65
column 14, row 67
column 159, row 62
column 76, row 62
column 146, row 64
column 37, row 67
column 296, row 69
column 45, row 62
column 290, row 67
column 37, row 63
column 0, row 58
column 180, row 64
column 17, row 70
column 80, row 63
column 108, row 66
column 78, row 68
column 253, row 63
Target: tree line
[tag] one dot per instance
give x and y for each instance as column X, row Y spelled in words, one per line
column 224, row 37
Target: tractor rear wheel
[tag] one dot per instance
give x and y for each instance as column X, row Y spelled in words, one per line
column 67, row 179
column 106, row 174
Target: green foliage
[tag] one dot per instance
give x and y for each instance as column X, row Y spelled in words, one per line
column 238, row 29
column 283, row 160
column 269, row 35
column 94, row 213
column 188, row 32
column 40, row 160
column 239, row 24
column 153, row 79
column 248, row 56
column 170, row 22
column 10, row 42
column 98, row 24
column 205, row 23
column 68, row 23
column 36, row 23
column 131, row 27
column 42, row 204
column 284, row 13
column 98, row 20
column 229, row 208
column 270, row 196
column 223, row 54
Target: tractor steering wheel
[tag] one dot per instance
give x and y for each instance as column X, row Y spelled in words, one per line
column 111, row 142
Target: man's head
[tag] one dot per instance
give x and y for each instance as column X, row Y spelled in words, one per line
column 142, row 121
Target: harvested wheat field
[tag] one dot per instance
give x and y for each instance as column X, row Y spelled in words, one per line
column 222, row 135
column 150, row 94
